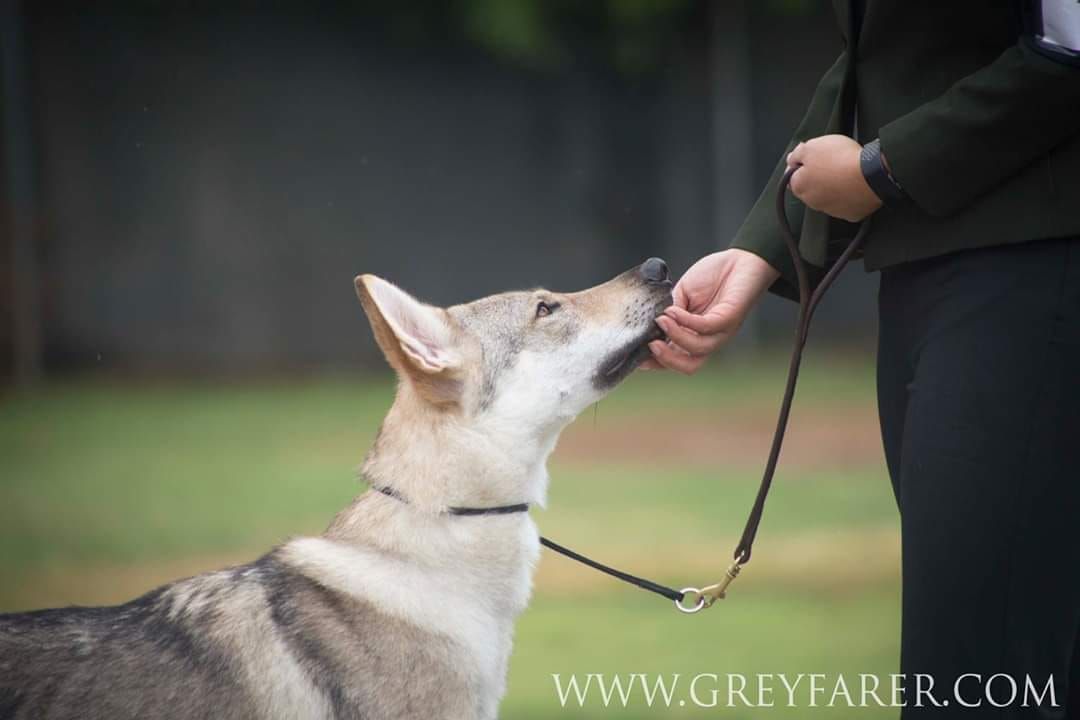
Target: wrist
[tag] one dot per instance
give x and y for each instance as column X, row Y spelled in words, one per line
column 878, row 176
column 759, row 265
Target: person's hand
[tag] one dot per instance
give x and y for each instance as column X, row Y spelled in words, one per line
column 710, row 302
column 830, row 179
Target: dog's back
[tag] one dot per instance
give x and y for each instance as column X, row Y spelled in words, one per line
column 130, row 660
column 256, row 641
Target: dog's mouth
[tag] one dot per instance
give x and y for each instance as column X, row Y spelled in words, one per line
column 621, row 362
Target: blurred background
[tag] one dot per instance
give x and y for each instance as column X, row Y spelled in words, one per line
column 188, row 189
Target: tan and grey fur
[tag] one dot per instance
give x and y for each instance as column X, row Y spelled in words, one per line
column 399, row 609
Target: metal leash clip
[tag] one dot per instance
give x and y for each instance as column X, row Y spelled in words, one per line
column 706, row 596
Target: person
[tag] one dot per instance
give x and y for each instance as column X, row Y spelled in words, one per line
column 956, row 125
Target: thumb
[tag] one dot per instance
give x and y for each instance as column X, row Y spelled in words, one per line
column 679, row 298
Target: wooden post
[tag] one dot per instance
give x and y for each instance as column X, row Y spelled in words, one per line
column 733, row 191
column 19, row 179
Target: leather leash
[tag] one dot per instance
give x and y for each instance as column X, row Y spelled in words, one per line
column 692, row 599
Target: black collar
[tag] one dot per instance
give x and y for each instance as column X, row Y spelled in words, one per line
column 497, row 510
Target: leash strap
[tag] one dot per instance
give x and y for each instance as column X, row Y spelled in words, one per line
column 669, row 593
column 691, row 600
column 808, row 303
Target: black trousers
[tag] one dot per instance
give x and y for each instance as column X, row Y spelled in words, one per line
column 979, row 398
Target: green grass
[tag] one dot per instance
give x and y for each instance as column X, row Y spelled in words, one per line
column 104, row 473
column 107, row 488
column 762, row 632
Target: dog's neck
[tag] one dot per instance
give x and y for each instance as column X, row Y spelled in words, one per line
column 441, row 459
column 437, row 460
column 432, row 463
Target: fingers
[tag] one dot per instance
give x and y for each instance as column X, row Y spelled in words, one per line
column 798, row 183
column 711, row 323
column 675, row 359
column 688, row 340
column 797, row 156
column 687, row 349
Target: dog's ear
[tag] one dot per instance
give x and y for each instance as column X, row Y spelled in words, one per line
column 417, row 339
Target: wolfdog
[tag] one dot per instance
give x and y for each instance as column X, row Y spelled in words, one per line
column 404, row 607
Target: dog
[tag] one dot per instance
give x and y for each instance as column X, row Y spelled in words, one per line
column 404, row 607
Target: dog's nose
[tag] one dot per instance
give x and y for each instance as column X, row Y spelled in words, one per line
column 654, row 271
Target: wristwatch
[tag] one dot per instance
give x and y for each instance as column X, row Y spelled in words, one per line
column 878, row 177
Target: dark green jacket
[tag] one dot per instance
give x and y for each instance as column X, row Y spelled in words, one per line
column 978, row 116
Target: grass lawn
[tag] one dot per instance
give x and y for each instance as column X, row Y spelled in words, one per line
column 109, row 488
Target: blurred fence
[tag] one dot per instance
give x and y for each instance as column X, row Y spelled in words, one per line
column 192, row 187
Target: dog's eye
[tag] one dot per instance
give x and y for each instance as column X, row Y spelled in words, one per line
column 544, row 309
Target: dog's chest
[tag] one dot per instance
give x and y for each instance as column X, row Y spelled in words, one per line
column 433, row 632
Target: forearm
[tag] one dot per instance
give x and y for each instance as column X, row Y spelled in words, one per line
column 984, row 129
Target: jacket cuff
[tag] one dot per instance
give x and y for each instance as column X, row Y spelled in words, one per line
column 903, row 145
column 777, row 255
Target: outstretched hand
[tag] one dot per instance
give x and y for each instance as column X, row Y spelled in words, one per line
column 710, row 302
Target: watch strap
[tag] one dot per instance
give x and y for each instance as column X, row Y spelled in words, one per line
column 878, row 177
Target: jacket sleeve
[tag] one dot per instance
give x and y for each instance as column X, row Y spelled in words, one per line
column 760, row 233
column 993, row 123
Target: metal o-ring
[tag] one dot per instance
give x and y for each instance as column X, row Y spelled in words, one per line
column 696, row 607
